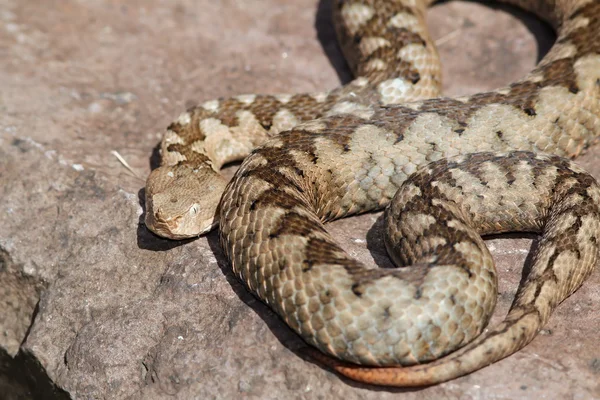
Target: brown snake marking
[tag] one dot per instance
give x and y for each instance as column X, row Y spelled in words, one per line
column 451, row 170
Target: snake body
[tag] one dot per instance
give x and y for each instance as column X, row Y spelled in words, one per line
column 450, row 169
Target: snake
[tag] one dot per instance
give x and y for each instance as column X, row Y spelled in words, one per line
column 445, row 170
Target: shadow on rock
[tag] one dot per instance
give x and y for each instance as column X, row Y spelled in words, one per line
column 327, row 37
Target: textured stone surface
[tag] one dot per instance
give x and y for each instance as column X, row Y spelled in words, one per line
column 94, row 306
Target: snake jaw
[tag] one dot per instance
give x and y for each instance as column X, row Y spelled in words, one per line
column 182, row 202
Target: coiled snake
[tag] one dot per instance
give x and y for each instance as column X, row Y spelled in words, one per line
column 451, row 169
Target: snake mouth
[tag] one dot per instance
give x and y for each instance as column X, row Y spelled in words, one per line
column 184, row 226
column 167, row 229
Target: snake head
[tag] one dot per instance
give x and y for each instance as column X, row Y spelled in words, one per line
column 182, row 201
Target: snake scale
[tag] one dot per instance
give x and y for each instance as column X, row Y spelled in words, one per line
column 448, row 169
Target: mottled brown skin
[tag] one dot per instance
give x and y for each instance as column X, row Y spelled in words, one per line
column 570, row 194
column 421, row 323
column 177, row 208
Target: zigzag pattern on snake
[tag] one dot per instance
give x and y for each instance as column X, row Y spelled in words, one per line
column 450, row 169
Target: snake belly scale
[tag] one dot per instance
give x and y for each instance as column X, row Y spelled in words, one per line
column 446, row 170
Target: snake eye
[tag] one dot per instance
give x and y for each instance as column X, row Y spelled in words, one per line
column 194, row 210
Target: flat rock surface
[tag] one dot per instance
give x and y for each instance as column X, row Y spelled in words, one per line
column 92, row 305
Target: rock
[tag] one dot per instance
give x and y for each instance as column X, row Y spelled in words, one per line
column 92, row 305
